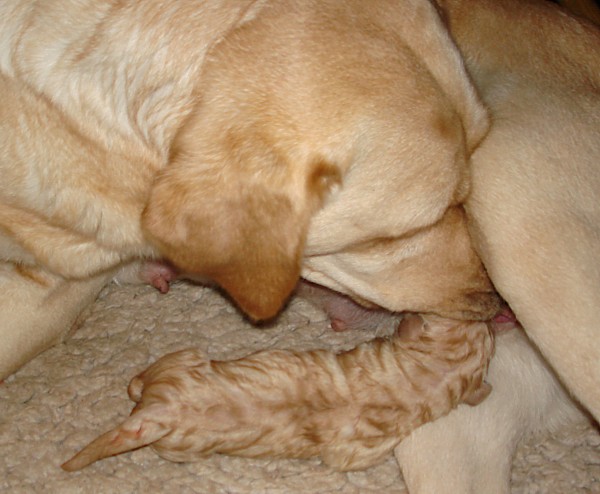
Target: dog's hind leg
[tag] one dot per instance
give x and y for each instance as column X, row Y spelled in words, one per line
column 535, row 219
column 471, row 450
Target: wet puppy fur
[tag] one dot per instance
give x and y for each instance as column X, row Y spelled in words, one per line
column 351, row 408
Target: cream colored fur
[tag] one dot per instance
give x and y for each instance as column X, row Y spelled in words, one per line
column 91, row 96
column 534, row 208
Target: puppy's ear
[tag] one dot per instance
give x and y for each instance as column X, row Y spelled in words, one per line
column 237, row 211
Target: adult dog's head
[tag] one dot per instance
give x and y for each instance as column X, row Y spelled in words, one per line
column 359, row 110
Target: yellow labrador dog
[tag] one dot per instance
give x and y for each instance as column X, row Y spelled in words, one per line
column 541, row 162
column 210, row 133
column 534, row 207
column 534, row 212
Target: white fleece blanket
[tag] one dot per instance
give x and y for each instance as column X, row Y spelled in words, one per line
column 73, row 392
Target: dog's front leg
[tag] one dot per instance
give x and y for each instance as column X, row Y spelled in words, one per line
column 471, row 449
column 37, row 310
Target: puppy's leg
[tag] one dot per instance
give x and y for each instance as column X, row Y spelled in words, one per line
column 471, row 450
column 38, row 309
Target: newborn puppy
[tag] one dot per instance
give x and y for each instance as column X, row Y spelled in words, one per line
column 351, row 408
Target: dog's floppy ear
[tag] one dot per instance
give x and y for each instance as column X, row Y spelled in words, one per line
column 236, row 210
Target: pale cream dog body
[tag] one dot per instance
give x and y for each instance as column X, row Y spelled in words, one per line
column 91, row 99
column 535, row 214
column 541, row 163
column 534, row 207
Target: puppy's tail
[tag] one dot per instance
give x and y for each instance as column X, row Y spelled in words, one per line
column 140, row 429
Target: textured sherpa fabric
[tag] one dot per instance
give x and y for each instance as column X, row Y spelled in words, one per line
column 73, row 392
